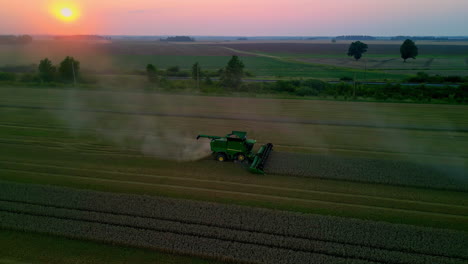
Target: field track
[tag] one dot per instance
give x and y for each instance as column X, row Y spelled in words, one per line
column 382, row 63
column 249, row 235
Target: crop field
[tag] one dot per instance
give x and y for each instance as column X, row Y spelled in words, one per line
column 347, row 182
column 224, row 232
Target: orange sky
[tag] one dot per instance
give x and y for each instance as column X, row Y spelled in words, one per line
column 239, row 17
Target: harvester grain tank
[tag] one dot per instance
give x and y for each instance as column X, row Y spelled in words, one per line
column 236, row 146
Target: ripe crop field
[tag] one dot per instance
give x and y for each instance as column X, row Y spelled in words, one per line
column 224, row 232
column 141, row 143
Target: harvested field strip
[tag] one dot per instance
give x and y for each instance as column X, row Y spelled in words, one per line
column 72, row 170
column 22, row 133
column 243, row 227
column 245, row 118
column 399, row 173
column 378, row 201
column 384, row 213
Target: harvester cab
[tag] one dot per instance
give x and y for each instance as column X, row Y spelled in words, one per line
column 236, row 146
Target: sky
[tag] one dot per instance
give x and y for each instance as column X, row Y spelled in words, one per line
column 238, row 17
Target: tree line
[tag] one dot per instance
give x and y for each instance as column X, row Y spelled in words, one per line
column 229, row 76
column 67, row 71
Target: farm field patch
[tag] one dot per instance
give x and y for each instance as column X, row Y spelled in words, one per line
column 131, row 56
column 175, row 226
column 127, row 149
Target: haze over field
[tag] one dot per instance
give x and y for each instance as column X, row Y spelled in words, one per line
column 235, row 17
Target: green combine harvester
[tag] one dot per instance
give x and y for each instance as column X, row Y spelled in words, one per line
column 236, row 146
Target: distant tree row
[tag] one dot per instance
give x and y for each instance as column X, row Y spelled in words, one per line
column 22, row 39
column 82, row 37
column 407, row 50
column 420, row 38
column 179, row 39
column 355, row 37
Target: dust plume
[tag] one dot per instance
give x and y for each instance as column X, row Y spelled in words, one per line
column 125, row 120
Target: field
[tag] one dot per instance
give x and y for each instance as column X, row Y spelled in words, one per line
column 435, row 58
column 92, row 172
column 264, row 60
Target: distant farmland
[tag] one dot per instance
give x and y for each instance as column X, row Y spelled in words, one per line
column 264, row 60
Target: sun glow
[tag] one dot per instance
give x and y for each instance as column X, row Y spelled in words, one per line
column 66, row 13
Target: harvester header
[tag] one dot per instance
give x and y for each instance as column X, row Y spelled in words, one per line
column 237, row 147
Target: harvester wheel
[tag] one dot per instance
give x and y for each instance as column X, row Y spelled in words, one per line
column 221, row 157
column 240, row 157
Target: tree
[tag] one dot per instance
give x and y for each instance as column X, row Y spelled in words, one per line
column 152, row 73
column 356, row 49
column 232, row 74
column 46, row 70
column 408, row 50
column 196, row 71
column 69, row 69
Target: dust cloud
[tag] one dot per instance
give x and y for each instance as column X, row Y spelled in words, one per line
column 123, row 119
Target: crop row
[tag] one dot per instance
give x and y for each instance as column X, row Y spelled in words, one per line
column 393, row 172
column 225, row 234
column 165, row 241
column 258, row 227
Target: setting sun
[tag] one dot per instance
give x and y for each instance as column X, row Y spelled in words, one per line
column 66, row 13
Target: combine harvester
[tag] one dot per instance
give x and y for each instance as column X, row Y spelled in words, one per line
column 236, row 146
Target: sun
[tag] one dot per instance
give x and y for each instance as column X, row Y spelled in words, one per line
column 65, row 12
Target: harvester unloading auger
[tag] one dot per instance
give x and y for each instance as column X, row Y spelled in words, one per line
column 236, row 146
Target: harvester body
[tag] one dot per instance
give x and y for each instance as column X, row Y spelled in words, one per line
column 236, row 146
